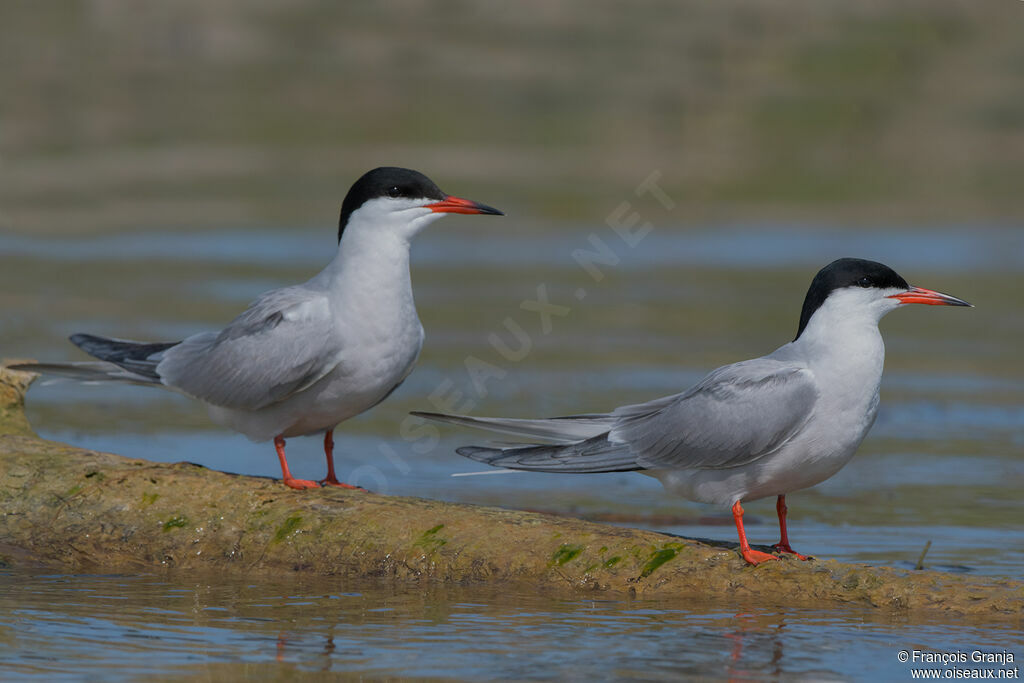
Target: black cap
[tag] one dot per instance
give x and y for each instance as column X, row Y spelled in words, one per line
column 387, row 181
column 847, row 272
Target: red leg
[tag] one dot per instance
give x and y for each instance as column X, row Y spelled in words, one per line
column 783, row 545
column 288, row 479
column 332, row 479
column 751, row 556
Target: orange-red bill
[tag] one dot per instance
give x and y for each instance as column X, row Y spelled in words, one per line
column 920, row 295
column 452, row 204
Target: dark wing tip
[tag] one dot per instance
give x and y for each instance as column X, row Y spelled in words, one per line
column 479, row 453
column 22, row 367
column 80, row 338
column 427, row 415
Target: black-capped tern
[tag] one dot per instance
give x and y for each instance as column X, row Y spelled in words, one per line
column 753, row 429
column 302, row 359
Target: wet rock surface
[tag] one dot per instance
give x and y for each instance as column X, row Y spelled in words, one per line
column 77, row 510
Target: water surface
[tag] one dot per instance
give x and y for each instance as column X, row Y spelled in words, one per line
column 942, row 464
column 117, row 627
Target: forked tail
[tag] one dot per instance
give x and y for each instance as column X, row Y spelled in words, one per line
column 582, row 444
column 120, row 361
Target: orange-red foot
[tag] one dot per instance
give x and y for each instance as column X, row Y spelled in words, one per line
column 300, row 483
column 332, row 479
column 286, row 474
column 756, row 557
column 784, row 548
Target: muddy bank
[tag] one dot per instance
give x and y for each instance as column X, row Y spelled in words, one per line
column 76, row 510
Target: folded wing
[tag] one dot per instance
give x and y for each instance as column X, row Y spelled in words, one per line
column 736, row 415
column 279, row 346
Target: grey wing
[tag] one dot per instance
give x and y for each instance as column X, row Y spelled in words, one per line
column 280, row 345
column 737, row 414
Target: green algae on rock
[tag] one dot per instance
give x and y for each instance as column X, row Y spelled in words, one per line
column 80, row 510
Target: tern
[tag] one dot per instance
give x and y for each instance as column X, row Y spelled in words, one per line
column 302, row 359
column 758, row 428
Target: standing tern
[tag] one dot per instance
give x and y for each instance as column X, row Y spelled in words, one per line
column 758, row 428
column 302, row 359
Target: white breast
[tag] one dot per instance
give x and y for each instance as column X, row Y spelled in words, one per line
column 846, row 354
column 379, row 337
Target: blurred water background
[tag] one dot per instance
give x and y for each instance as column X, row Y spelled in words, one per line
column 162, row 164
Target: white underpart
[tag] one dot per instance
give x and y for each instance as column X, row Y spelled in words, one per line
column 378, row 336
column 843, row 349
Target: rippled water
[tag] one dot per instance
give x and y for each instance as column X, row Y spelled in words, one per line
column 130, row 627
column 942, row 464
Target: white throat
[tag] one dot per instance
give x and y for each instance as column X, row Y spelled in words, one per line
column 842, row 343
column 847, row 315
column 399, row 217
column 368, row 279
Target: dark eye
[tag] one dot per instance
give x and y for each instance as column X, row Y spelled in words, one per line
column 393, row 191
column 865, row 282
